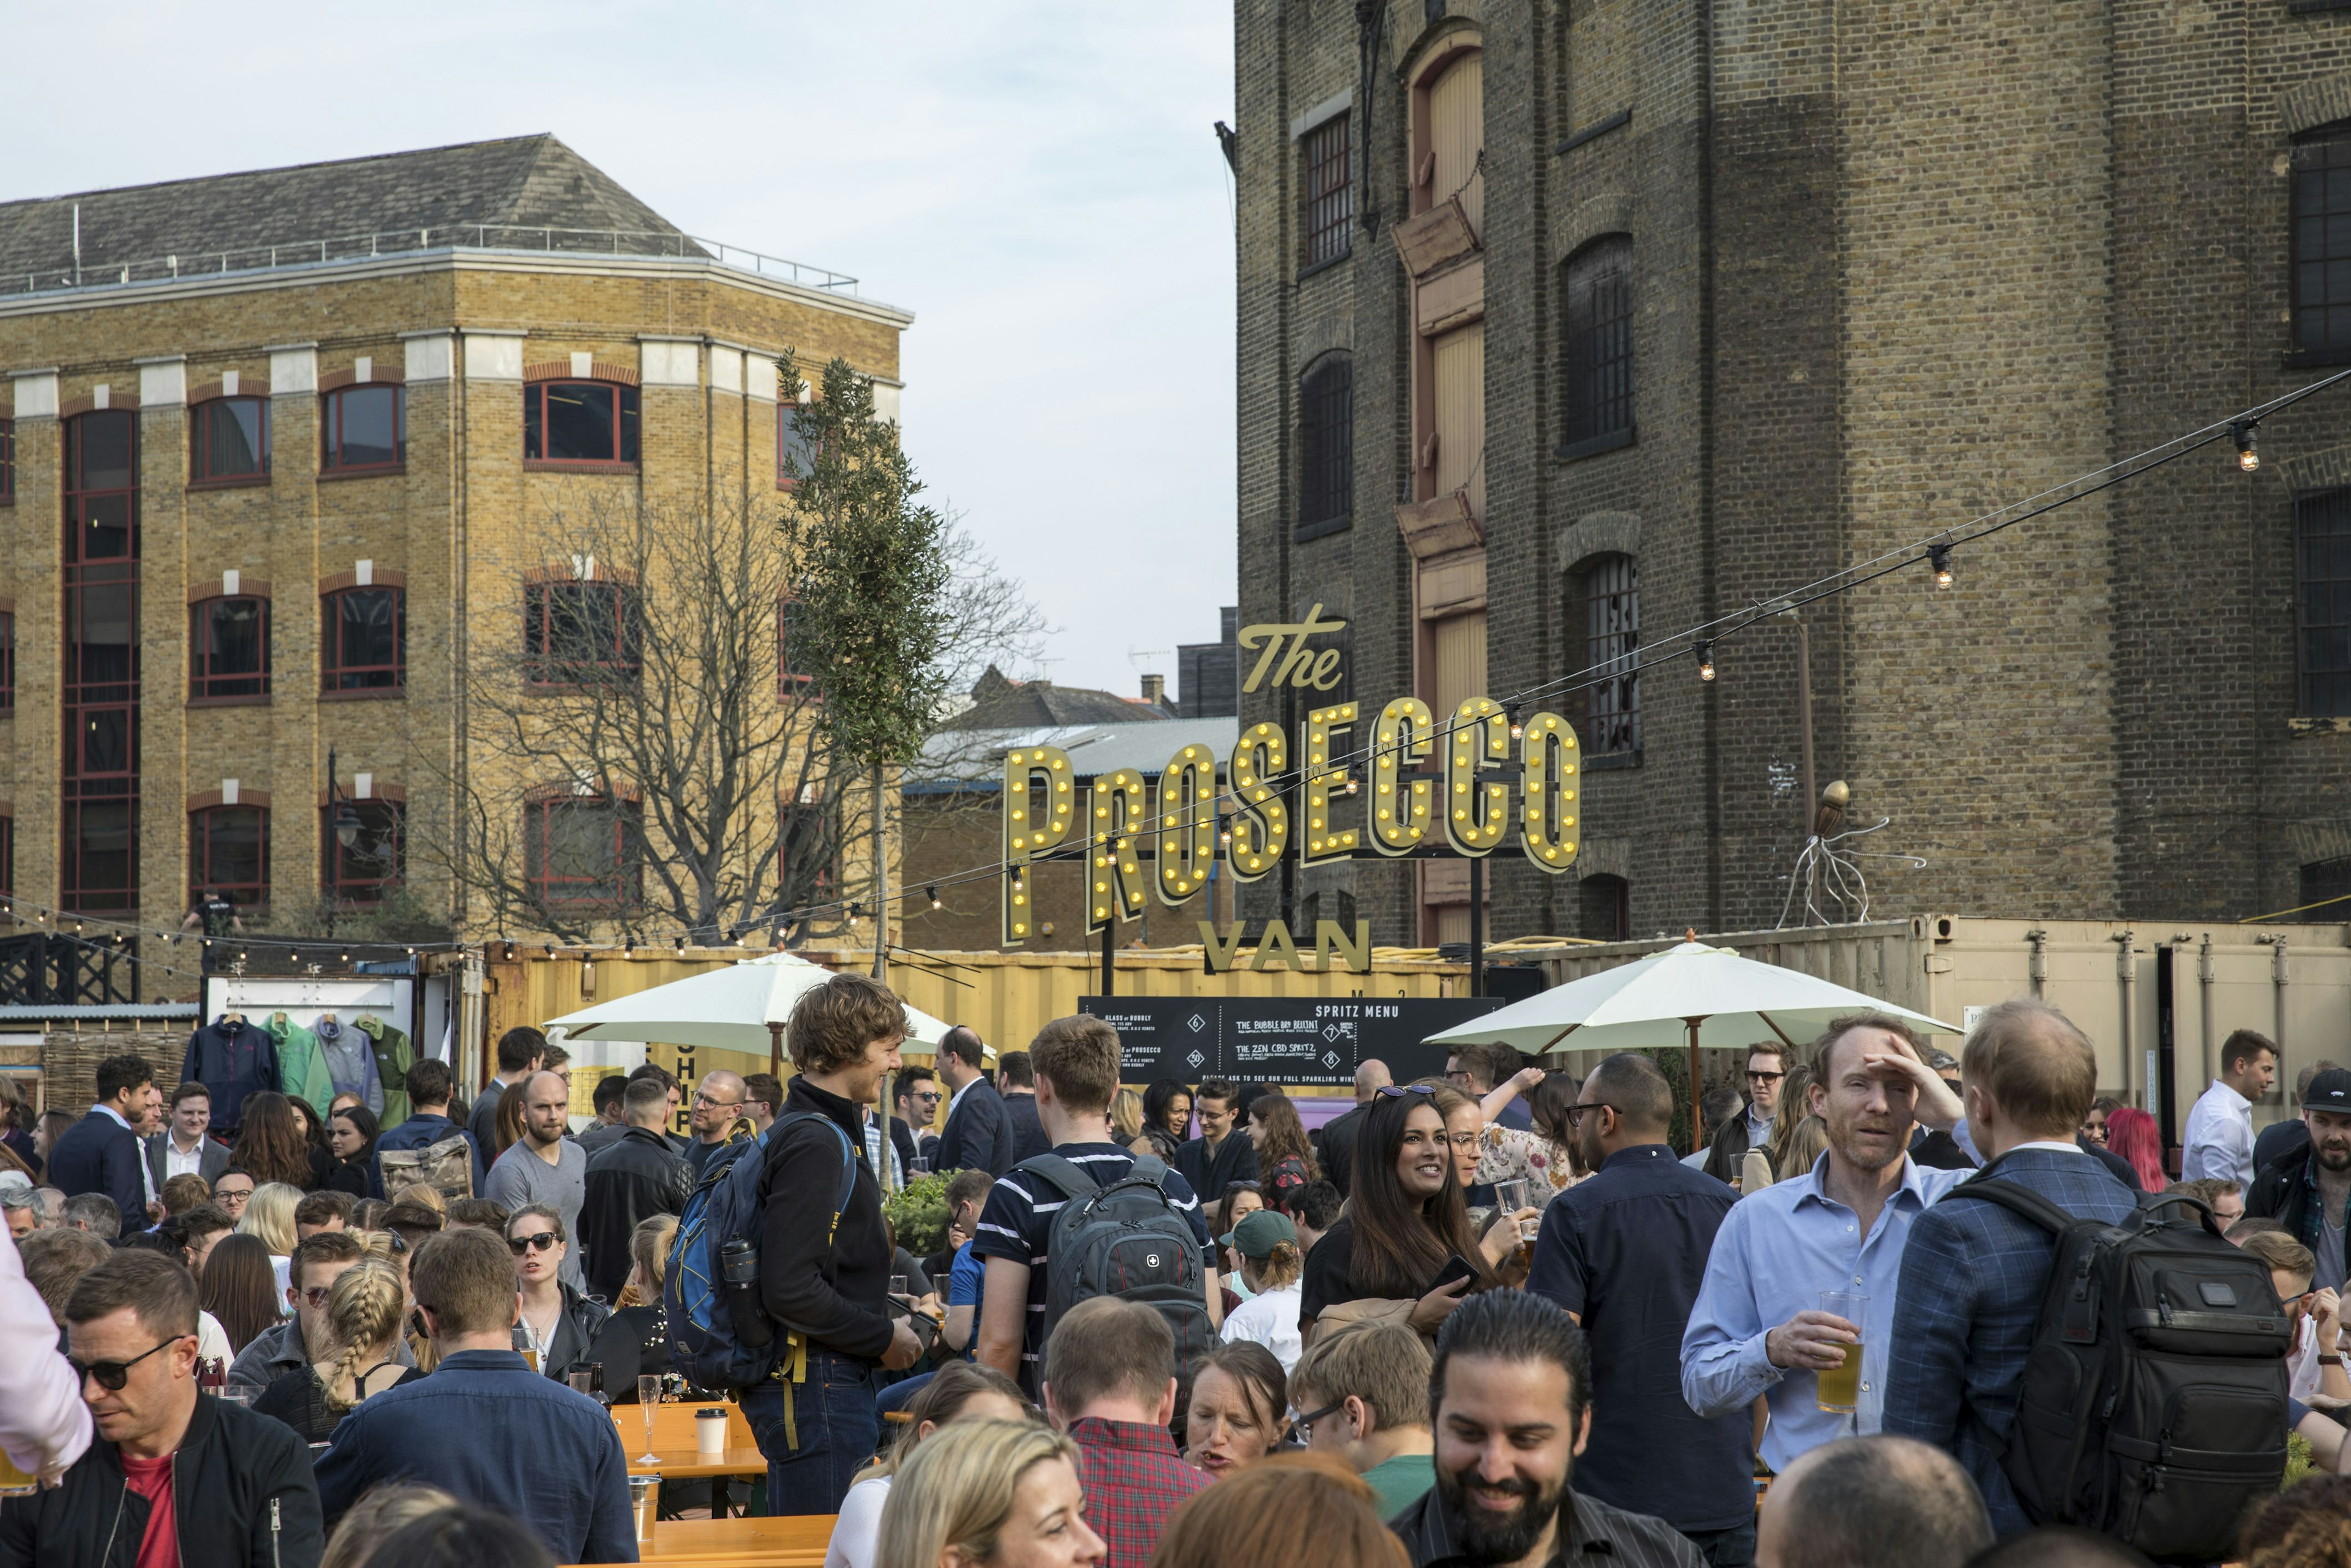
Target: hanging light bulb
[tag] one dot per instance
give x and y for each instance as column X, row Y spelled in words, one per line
column 933, row 894
column 1939, row 555
column 1705, row 661
column 680, row 943
column 2246, row 434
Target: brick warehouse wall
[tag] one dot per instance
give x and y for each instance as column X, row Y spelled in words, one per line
column 1894, row 266
column 461, row 521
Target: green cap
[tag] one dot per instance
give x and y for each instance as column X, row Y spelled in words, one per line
column 1258, row 1232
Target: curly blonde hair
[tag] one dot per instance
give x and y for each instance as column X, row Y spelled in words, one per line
column 365, row 1308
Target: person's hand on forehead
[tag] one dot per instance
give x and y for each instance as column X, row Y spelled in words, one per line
column 1889, row 1058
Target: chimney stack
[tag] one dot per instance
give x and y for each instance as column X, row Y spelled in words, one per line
column 1154, row 690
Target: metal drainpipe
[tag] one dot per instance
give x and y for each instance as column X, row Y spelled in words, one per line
column 2126, row 970
column 2204, row 998
column 2278, row 984
column 2036, row 967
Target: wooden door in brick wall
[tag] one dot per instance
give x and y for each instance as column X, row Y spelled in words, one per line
column 1456, row 134
column 1460, row 398
column 1461, row 660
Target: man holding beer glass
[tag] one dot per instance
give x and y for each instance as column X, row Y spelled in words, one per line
column 1798, row 1302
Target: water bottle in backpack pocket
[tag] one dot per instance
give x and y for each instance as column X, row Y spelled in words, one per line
column 1127, row 1239
column 2153, row 1404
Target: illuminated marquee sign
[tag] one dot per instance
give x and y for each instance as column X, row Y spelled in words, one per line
column 1433, row 790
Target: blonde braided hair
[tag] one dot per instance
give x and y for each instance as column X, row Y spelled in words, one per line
column 364, row 1309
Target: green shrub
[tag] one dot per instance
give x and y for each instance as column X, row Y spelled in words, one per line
column 918, row 1213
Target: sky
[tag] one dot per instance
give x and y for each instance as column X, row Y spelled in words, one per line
column 1040, row 184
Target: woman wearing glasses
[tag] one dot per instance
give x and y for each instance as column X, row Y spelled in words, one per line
column 1406, row 1226
column 558, row 1323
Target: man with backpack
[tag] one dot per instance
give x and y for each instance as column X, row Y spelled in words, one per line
column 1069, row 1224
column 824, row 1261
column 1974, row 1272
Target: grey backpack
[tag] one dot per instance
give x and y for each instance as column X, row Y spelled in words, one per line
column 1127, row 1239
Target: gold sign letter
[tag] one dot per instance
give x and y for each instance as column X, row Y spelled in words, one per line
column 1122, row 815
column 1400, row 810
column 1186, row 843
column 1039, row 806
column 1476, row 815
column 1547, row 791
column 1325, row 840
column 1261, row 826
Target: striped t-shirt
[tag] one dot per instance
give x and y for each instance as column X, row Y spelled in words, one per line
column 1019, row 1221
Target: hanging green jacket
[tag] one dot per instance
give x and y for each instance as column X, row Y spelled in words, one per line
column 300, row 1066
column 393, row 1058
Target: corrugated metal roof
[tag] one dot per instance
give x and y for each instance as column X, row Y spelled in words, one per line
column 975, row 759
column 128, row 1012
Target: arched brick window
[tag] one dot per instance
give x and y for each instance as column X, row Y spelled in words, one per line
column 228, row 853
column 228, row 440
column 1605, row 626
column 364, row 427
column 228, row 647
column 2322, row 244
column 1596, row 347
column 584, row 850
column 373, row 863
column 365, row 637
column 581, row 424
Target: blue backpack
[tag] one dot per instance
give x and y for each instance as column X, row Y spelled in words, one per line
column 726, row 1208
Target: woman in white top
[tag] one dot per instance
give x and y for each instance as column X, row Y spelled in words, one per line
column 1267, row 1243
column 961, row 1390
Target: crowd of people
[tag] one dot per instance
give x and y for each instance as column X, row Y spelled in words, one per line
column 1490, row 1319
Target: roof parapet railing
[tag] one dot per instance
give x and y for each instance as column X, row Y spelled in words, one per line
column 530, row 238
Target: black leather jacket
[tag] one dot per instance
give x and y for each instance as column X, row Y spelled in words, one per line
column 575, row 1331
column 630, row 1180
column 242, row 1497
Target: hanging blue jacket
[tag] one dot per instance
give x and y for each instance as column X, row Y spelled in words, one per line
column 231, row 1059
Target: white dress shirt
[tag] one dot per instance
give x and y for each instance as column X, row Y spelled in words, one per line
column 44, row 1425
column 176, row 1164
column 2219, row 1137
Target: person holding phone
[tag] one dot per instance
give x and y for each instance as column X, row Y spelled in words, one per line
column 1405, row 1250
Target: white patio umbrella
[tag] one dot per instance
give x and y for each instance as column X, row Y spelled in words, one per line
column 742, row 1007
column 1691, row 992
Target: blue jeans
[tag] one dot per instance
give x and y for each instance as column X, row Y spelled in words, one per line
column 839, row 1430
column 900, row 1394
column 1732, row 1548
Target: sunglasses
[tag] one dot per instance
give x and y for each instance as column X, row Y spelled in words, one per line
column 112, row 1374
column 316, row 1296
column 539, row 1242
column 1765, row 1077
column 1398, row 1091
column 1305, row 1424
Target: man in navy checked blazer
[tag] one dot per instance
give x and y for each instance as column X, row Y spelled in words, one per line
column 1973, row 1274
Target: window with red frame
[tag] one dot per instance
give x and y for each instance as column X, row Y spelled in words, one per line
column 7, row 461
column 364, row 427
column 228, row 853
column 792, row 671
column 588, row 423
column 228, row 647
column 7, row 660
column 375, row 860
column 8, row 855
column 577, row 633
column 366, row 639
column 795, row 453
column 583, row 850
column 228, row 439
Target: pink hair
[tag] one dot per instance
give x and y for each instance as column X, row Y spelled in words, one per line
column 2131, row 1133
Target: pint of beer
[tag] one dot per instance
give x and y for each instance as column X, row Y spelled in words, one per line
column 1840, row 1390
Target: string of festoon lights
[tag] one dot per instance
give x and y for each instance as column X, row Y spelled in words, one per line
column 1938, row 552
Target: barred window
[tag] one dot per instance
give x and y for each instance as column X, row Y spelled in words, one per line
column 2322, row 244
column 1328, row 200
column 2322, row 602
column 1610, row 609
column 1597, row 346
column 1326, row 421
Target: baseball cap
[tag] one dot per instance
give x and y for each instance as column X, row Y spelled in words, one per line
column 2330, row 1090
column 1260, row 1228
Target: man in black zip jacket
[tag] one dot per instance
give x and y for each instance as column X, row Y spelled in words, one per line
column 824, row 1261
column 172, row 1476
column 630, row 1180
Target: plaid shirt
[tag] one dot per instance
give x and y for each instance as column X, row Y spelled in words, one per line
column 1134, row 1481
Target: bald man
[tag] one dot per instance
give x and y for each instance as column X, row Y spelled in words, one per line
column 544, row 1166
column 1865, row 1502
column 715, row 1105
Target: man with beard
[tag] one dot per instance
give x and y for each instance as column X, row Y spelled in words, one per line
column 1757, row 1328
column 1623, row 1251
column 1510, row 1399
column 2308, row 1189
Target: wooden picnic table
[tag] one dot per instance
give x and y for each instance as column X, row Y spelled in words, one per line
column 692, row 1464
column 798, row 1542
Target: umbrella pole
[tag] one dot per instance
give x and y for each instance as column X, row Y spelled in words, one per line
column 1698, row 1119
column 776, row 1052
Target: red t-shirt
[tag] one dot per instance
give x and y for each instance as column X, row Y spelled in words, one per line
column 151, row 1479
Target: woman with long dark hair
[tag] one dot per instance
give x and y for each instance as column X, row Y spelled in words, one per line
column 1167, row 1115
column 1285, row 1160
column 240, row 1289
column 350, row 1139
column 272, row 1145
column 1405, row 1223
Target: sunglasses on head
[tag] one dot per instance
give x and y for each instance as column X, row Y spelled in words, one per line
column 1397, row 1090
column 540, row 1242
column 112, row 1374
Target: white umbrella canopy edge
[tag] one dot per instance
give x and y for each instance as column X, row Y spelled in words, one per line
column 727, row 1009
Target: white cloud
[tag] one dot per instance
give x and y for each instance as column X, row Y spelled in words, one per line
column 1040, row 184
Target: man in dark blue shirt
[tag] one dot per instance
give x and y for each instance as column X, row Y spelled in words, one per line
column 1625, row 1252
column 101, row 1152
column 486, row 1428
column 429, row 1087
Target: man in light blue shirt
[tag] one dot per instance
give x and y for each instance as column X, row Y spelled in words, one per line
column 1757, row 1328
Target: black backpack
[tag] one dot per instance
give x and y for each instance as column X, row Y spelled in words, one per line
column 1127, row 1239
column 2153, row 1405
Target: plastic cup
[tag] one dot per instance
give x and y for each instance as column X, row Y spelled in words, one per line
column 644, row 1493
column 1840, row 1385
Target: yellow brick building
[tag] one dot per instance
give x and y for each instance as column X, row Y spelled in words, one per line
column 276, row 449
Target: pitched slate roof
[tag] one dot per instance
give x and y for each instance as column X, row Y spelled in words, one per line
column 522, row 182
column 999, row 702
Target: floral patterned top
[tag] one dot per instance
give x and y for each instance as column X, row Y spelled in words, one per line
column 1515, row 1155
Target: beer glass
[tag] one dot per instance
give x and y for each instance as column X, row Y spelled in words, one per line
column 1840, row 1390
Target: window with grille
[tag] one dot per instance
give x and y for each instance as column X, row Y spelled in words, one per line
column 2322, row 246
column 2322, row 602
column 1326, row 443
column 228, row 439
column 576, row 633
column 364, row 427
column 1609, row 609
column 580, row 423
column 373, row 863
column 1329, row 204
column 582, row 850
column 228, row 647
column 366, row 639
column 1597, row 347
column 228, row 853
